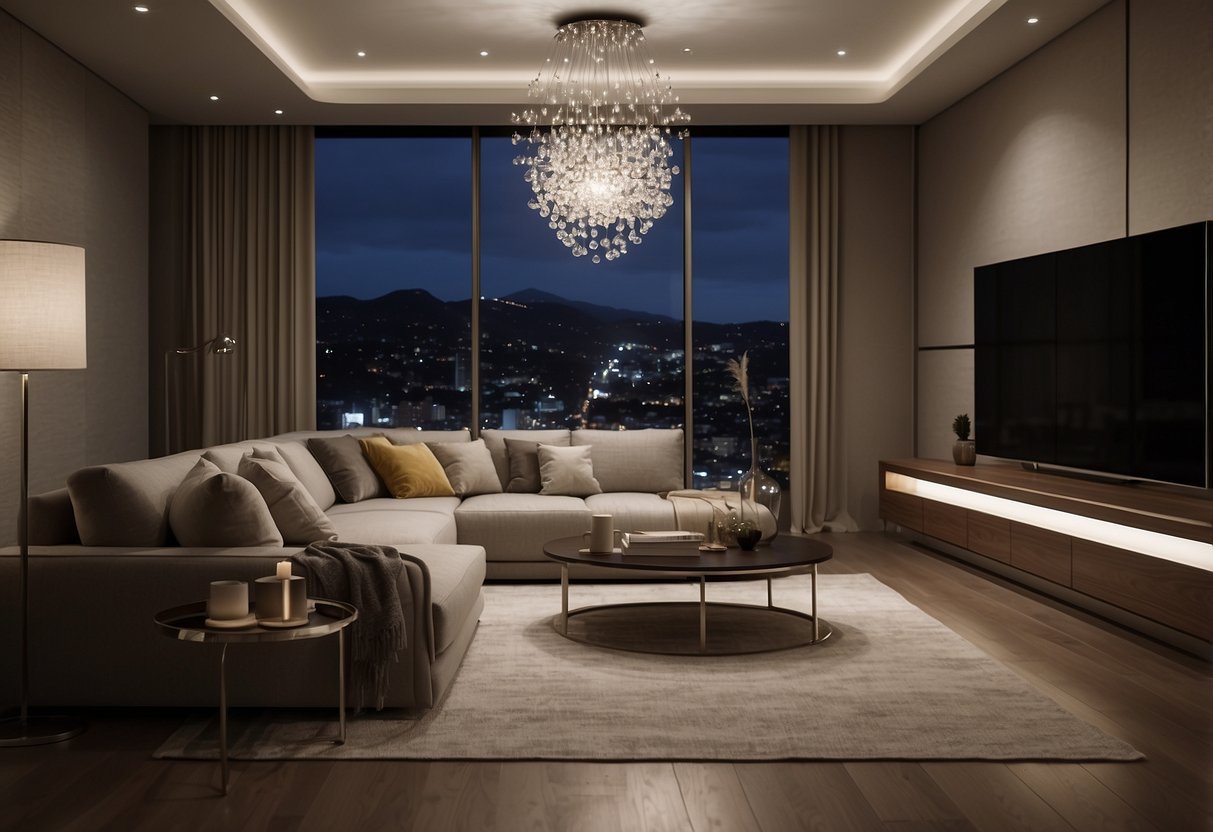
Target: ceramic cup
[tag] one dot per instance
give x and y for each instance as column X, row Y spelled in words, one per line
column 228, row 600
column 602, row 535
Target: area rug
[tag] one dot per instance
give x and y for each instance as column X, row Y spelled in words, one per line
column 890, row 683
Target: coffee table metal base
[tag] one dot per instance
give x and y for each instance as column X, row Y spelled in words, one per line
column 616, row 626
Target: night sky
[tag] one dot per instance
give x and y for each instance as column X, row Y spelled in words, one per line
column 395, row 213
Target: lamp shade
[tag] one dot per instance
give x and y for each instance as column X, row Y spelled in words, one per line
column 42, row 311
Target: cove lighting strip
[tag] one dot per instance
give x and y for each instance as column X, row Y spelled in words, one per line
column 1155, row 544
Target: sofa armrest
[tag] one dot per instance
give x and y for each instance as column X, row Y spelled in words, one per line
column 51, row 519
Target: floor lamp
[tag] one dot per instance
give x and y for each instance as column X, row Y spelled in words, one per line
column 219, row 345
column 42, row 317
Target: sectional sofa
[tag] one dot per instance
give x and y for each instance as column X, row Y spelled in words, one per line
column 105, row 557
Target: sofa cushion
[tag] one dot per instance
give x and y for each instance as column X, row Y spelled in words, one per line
column 647, row 460
column 495, row 522
column 215, row 508
column 469, row 467
column 407, row 470
column 411, row 436
column 396, row 522
column 347, row 469
column 456, row 576
column 566, row 471
column 636, row 512
column 298, row 518
column 495, row 440
column 126, row 503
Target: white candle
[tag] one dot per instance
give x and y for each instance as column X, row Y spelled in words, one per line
column 284, row 569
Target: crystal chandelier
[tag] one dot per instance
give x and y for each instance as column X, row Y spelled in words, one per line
column 597, row 154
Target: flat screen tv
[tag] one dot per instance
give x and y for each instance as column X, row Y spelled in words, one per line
column 1097, row 359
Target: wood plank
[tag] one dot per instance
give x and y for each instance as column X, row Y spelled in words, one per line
column 993, row 799
column 1041, row 552
column 989, row 536
column 1179, row 596
column 946, row 522
column 787, row 797
column 714, row 797
column 1078, row 797
column 900, row 791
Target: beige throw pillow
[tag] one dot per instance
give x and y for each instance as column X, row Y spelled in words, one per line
column 214, row 508
column 566, row 471
column 468, row 466
column 295, row 512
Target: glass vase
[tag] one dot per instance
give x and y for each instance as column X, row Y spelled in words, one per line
column 757, row 486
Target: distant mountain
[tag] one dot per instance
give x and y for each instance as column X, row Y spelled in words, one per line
column 606, row 314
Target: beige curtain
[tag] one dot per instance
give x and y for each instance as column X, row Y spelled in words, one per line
column 232, row 254
column 818, row 481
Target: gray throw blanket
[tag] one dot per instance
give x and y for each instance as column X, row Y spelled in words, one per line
column 364, row 575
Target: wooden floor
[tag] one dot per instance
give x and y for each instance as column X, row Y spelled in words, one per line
column 1157, row 699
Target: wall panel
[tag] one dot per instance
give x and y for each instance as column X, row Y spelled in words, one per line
column 73, row 169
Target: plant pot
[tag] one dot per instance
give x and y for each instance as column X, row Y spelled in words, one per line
column 748, row 539
column 964, row 452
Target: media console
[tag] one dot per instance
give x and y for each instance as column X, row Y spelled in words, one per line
column 1141, row 554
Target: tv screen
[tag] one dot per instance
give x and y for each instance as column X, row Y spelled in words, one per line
column 1098, row 358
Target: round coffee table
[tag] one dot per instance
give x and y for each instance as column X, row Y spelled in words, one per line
column 325, row 617
column 785, row 627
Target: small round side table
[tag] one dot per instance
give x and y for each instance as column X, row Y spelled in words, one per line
column 188, row 623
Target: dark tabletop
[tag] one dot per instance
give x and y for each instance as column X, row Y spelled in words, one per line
column 784, row 552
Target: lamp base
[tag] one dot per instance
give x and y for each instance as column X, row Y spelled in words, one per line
column 17, row 732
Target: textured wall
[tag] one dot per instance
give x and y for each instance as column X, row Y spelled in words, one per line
column 876, row 301
column 1035, row 161
column 73, row 169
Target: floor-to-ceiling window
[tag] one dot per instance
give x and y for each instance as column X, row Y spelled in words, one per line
column 563, row 341
column 740, row 300
column 393, row 256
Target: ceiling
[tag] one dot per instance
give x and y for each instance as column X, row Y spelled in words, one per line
column 730, row 61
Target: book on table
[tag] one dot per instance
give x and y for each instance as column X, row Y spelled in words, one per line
column 662, row 543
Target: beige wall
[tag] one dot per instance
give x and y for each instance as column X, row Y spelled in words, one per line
column 1035, row 161
column 876, row 302
column 73, row 169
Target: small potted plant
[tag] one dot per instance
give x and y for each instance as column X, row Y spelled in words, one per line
column 746, row 533
column 964, row 452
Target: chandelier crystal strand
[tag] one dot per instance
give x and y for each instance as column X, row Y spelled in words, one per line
column 597, row 154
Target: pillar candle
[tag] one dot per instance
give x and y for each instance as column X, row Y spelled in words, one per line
column 284, row 569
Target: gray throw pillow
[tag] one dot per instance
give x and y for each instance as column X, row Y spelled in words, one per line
column 567, row 471
column 215, row 508
column 296, row 514
column 524, row 466
column 468, row 466
column 351, row 475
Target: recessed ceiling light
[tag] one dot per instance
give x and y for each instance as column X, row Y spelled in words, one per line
column 277, row 112
column 483, row 54
column 1033, row 19
column 361, row 54
column 142, row 9
column 842, row 53
column 686, row 49
column 214, row 98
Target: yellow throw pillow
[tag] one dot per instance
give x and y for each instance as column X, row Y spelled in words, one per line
column 407, row 470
